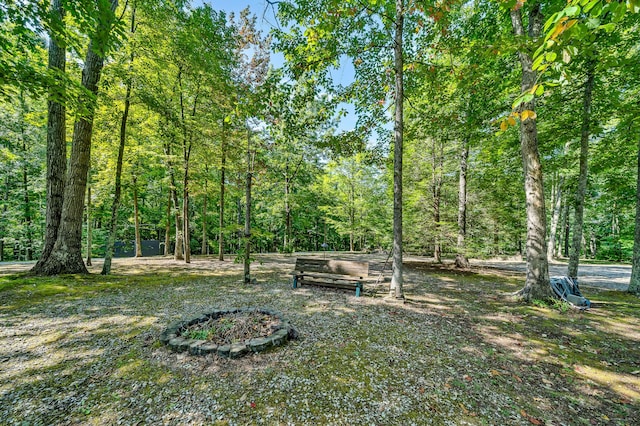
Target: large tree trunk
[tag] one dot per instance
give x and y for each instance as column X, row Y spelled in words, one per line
column 397, row 279
column 115, row 205
column 574, row 257
column 461, row 255
column 56, row 141
column 247, row 216
column 537, row 281
column 136, row 217
column 223, row 163
column 555, row 216
column 66, row 255
column 634, row 283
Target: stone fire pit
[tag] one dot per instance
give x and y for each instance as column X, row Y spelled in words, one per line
column 230, row 333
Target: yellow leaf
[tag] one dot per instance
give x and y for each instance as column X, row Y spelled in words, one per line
column 512, row 122
column 504, row 126
column 494, row 373
column 525, row 115
column 533, row 89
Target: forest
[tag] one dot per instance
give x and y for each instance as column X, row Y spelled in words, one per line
column 484, row 128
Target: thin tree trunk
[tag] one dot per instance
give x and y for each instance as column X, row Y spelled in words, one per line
column 27, row 219
column 555, row 216
column 223, row 163
column 567, row 228
column 436, row 193
column 574, row 257
column 136, row 216
column 396, row 289
column 247, row 216
column 185, row 215
column 461, row 255
column 537, row 280
column 634, row 282
column 89, row 224
column 167, row 228
column 205, row 245
column 115, row 205
column 5, row 199
column 56, row 141
column 66, row 255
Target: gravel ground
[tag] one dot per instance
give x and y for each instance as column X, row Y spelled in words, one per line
column 449, row 356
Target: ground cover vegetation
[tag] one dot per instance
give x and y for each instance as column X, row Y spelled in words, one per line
column 84, row 349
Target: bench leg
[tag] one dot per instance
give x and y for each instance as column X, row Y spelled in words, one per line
column 295, row 281
column 358, row 290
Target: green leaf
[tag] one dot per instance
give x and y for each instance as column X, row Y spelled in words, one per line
column 572, row 11
column 551, row 56
column 540, row 90
column 538, row 62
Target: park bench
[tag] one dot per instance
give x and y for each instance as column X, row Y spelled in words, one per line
column 345, row 274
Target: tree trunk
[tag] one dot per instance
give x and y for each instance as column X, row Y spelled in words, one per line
column 89, row 224
column 537, row 281
column 247, row 216
column 397, row 279
column 56, row 141
column 634, row 282
column 461, row 255
column 136, row 217
column 27, row 219
column 574, row 258
column 205, row 244
column 5, row 199
column 167, row 228
column 287, row 209
column 437, row 195
column 567, row 229
column 115, row 205
column 223, row 163
column 185, row 215
column 555, row 216
column 66, row 255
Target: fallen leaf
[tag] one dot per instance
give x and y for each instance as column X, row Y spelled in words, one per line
column 515, row 376
column 253, row 404
column 421, row 390
column 467, row 378
column 494, row 373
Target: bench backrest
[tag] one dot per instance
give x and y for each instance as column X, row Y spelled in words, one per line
column 331, row 266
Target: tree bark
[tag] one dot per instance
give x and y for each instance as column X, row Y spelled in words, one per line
column 205, row 245
column 574, row 257
column 537, row 280
column 223, row 163
column 27, row 219
column 461, row 256
column 634, row 282
column 396, row 289
column 555, row 216
column 56, row 141
column 66, row 255
column 567, row 229
column 89, row 224
column 437, row 155
column 247, row 215
column 115, row 205
column 167, row 228
column 136, row 217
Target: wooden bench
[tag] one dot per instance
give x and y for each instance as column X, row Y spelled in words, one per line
column 344, row 274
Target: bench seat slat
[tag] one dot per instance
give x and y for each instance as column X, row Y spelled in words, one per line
column 331, row 273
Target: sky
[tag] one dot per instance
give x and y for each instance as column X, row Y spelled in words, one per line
column 266, row 15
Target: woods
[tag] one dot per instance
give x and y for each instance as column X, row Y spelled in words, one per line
column 463, row 130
